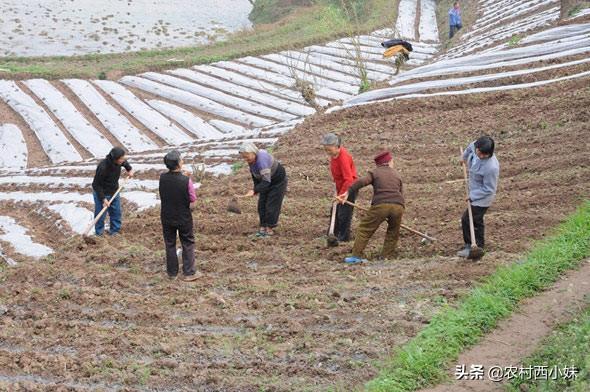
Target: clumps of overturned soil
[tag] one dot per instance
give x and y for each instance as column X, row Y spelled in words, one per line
column 285, row 314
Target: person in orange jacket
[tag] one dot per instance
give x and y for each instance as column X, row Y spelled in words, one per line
column 344, row 175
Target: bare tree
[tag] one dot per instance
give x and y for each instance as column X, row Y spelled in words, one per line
column 304, row 84
column 356, row 54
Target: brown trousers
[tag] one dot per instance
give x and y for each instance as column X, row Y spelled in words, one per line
column 392, row 213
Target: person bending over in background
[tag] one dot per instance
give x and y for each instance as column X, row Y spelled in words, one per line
column 105, row 185
column 177, row 196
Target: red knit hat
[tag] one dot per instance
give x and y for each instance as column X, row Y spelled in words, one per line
column 383, row 158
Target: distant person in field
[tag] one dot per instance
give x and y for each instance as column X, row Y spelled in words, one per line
column 270, row 184
column 455, row 23
column 105, row 185
column 484, row 170
column 387, row 205
column 177, row 195
column 344, row 174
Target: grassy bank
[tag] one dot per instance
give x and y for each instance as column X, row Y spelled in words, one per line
column 570, row 8
column 324, row 20
column 566, row 347
column 424, row 360
column 270, row 11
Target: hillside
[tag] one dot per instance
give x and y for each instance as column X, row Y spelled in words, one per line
column 284, row 313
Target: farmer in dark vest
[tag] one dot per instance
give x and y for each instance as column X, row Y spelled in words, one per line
column 270, row 184
column 177, row 195
column 105, row 185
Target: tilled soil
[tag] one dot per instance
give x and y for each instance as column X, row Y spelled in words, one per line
column 284, row 314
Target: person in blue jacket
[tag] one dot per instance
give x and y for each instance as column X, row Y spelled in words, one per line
column 454, row 19
column 484, row 170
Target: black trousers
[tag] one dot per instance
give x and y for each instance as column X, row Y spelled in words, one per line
column 478, row 225
column 187, row 240
column 344, row 219
column 270, row 203
column 453, row 30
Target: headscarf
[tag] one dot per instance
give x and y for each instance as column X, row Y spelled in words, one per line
column 330, row 139
column 249, row 147
column 383, row 158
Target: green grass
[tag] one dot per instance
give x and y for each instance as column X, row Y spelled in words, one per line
column 270, row 11
column 572, row 7
column 566, row 347
column 514, row 40
column 237, row 166
column 323, row 21
column 425, row 359
column 574, row 11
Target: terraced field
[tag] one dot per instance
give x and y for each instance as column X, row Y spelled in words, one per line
column 282, row 315
column 55, row 129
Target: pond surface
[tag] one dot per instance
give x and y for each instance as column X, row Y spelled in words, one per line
column 71, row 27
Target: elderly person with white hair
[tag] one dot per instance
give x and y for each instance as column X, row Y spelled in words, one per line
column 270, row 184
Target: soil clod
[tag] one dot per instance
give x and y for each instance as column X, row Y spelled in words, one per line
column 332, row 241
column 233, row 206
column 89, row 240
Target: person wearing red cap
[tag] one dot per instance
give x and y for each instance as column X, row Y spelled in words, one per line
column 344, row 174
column 387, row 205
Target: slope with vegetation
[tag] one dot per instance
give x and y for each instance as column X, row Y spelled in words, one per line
column 304, row 25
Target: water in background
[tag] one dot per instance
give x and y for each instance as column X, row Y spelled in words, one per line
column 70, row 27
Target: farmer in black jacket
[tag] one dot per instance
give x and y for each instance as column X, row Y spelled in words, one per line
column 177, row 195
column 105, row 185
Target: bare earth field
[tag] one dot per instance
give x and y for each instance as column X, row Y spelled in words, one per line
column 285, row 314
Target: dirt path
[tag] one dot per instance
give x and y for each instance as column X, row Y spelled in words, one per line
column 519, row 336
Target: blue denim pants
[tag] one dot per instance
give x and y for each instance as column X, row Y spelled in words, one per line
column 114, row 211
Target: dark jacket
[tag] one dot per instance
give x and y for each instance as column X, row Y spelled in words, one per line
column 393, row 42
column 175, row 199
column 266, row 172
column 106, row 178
column 387, row 185
column 278, row 179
